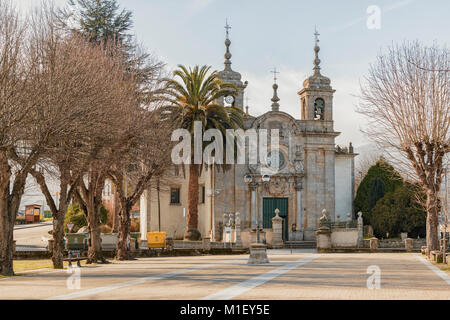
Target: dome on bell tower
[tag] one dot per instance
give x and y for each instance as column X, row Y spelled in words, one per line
column 317, row 94
column 229, row 76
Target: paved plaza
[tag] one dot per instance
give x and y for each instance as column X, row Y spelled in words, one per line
column 296, row 275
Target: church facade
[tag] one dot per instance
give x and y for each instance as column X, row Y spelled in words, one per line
column 312, row 172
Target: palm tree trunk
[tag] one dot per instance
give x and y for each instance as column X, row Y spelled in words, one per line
column 192, row 232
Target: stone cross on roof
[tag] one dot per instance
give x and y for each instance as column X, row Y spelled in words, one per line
column 227, row 27
column 316, row 51
column 316, row 35
column 275, row 72
column 227, row 44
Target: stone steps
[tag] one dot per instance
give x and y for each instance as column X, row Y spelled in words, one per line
column 300, row 244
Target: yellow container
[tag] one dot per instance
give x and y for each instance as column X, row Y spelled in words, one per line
column 156, row 239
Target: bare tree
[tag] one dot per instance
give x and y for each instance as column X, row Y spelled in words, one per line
column 408, row 112
column 145, row 154
column 148, row 159
column 68, row 81
column 13, row 116
column 111, row 136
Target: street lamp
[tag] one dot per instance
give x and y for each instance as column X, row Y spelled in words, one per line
column 265, row 178
column 248, row 178
column 258, row 251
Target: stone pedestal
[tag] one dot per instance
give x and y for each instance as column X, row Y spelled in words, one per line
column 323, row 238
column 277, row 227
column 258, row 254
column 409, row 244
column 360, row 229
column 373, row 243
column 207, row 243
column 143, row 244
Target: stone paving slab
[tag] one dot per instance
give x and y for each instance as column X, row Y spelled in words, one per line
column 344, row 276
column 326, row 276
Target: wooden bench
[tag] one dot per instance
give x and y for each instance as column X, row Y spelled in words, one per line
column 77, row 260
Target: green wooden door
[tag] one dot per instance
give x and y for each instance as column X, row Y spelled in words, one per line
column 269, row 207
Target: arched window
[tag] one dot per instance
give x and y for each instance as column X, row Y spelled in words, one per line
column 319, row 109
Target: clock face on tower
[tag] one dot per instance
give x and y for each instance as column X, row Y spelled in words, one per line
column 229, row 100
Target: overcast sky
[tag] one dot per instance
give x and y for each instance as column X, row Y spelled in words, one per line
column 267, row 34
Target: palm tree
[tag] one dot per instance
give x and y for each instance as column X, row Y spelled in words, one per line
column 193, row 97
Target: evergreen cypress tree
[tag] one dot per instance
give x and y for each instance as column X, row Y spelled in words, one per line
column 391, row 179
column 377, row 191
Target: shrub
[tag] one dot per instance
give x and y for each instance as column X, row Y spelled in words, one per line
column 399, row 211
column 76, row 216
column 391, row 180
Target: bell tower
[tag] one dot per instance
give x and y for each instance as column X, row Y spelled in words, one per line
column 230, row 76
column 316, row 97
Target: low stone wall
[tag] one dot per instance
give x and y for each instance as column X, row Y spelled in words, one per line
column 181, row 244
column 344, row 238
column 391, row 244
column 396, row 244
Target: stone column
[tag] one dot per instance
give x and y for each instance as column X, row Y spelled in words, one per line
column 360, row 230
column 238, row 230
column 277, row 228
column 143, row 218
column 409, row 244
column 253, row 190
column 298, row 188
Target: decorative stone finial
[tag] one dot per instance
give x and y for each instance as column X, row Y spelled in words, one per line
column 227, row 44
column 316, row 51
column 275, row 99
